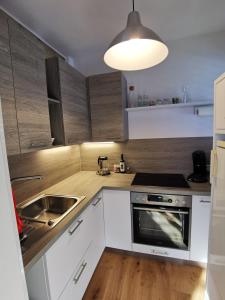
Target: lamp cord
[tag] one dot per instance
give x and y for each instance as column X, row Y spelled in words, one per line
column 133, row 4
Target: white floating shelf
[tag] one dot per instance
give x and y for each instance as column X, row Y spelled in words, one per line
column 178, row 105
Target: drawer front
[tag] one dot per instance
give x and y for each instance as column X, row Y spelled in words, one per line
column 97, row 219
column 166, row 252
column 65, row 254
column 78, row 283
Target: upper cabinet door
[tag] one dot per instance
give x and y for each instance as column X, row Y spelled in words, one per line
column 68, row 86
column 75, row 104
column 7, row 91
column 28, row 63
column 219, row 103
column 107, row 93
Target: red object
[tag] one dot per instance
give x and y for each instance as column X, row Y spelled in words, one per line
column 19, row 222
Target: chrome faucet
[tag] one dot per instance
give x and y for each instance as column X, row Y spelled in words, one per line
column 25, row 178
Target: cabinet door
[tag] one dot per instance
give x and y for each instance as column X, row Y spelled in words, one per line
column 64, row 256
column 219, row 102
column 75, row 104
column 201, row 210
column 78, row 283
column 97, row 221
column 7, row 90
column 117, row 216
column 107, row 93
column 37, row 281
column 28, row 62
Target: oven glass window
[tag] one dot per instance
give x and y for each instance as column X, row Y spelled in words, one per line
column 161, row 226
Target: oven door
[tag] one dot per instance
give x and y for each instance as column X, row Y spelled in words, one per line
column 161, row 226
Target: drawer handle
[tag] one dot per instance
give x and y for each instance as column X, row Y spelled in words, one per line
column 98, row 200
column 79, row 273
column 205, row 201
column 75, row 228
column 160, row 252
column 38, row 145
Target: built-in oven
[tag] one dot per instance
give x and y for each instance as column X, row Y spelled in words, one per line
column 161, row 220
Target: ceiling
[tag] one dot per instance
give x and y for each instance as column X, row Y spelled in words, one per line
column 80, row 28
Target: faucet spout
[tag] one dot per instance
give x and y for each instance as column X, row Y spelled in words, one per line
column 25, row 178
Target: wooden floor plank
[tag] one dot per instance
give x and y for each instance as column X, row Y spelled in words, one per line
column 121, row 276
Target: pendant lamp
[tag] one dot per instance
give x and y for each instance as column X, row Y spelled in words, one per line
column 136, row 47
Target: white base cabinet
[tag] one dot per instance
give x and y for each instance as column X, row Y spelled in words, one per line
column 83, row 273
column 37, row 281
column 64, row 256
column 64, row 272
column 201, row 212
column 117, row 217
column 78, row 283
column 66, row 268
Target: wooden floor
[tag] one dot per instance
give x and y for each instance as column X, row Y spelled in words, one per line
column 120, row 276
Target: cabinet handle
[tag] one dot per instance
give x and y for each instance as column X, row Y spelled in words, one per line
column 38, row 145
column 79, row 272
column 162, row 210
column 98, row 200
column 205, row 201
column 75, row 228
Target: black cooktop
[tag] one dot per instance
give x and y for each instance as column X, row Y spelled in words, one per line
column 157, row 179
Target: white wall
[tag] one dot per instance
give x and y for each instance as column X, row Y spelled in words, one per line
column 194, row 62
column 168, row 123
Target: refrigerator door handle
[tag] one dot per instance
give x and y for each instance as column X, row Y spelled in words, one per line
column 214, row 165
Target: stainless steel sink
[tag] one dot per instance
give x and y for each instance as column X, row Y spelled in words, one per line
column 49, row 209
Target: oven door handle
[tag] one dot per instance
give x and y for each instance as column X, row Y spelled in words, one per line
column 161, row 210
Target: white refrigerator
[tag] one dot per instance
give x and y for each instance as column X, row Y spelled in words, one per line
column 216, row 259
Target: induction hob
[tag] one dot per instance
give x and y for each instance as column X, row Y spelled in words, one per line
column 160, row 179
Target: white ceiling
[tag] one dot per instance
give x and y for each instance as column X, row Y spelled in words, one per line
column 84, row 27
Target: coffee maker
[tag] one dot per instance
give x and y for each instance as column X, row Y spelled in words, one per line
column 103, row 167
column 200, row 173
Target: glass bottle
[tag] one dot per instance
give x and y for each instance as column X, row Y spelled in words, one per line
column 184, row 95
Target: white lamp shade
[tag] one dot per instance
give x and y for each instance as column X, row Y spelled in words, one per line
column 136, row 47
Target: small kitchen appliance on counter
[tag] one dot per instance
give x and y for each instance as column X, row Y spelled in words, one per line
column 160, row 179
column 103, row 166
column 200, row 173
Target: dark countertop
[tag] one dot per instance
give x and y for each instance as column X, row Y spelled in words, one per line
column 87, row 183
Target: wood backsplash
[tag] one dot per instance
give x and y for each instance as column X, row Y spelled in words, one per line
column 54, row 164
column 153, row 155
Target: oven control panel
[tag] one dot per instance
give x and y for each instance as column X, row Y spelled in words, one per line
column 161, row 199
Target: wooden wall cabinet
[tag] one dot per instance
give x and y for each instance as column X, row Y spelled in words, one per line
column 69, row 86
column 6, row 89
column 29, row 75
column 107, row 94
